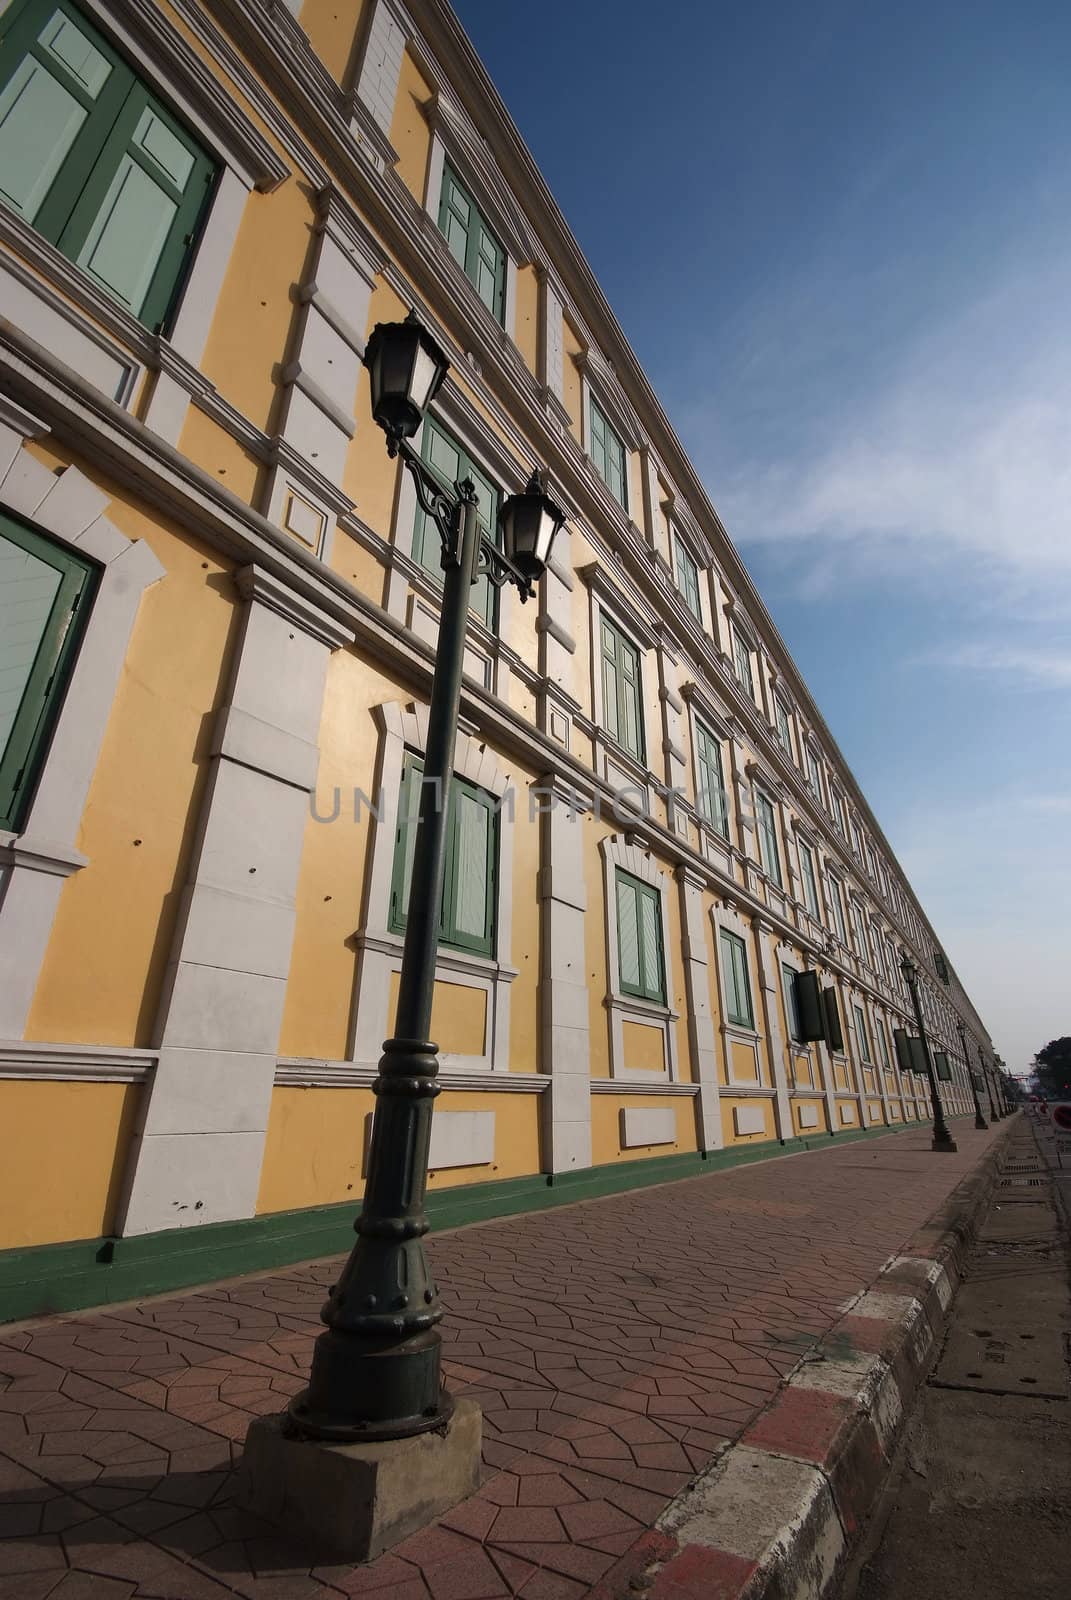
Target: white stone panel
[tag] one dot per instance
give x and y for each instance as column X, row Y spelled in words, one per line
column 847, row 1114
column 254, row 833
column 211, row 1091
column 332, row 363
column 462, row 1139
column 808, row 1116
column 749, row 1119
column 216, row 1009
column 311, row 432
column 640, row 1126
column 187, row 1182
column 242, row 932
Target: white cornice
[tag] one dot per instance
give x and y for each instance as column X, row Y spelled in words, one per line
column 74, row 1063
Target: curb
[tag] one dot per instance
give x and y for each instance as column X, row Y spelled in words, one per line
column 774, row 1517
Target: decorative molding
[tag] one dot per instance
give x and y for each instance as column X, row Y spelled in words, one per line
column 621, row 1087
column 74, row 1063
column 308, row 1072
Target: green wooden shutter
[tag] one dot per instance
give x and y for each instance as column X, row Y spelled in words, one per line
column 883, row 1046
column 62, row 88
column 621, row 689
column 45, row 593
column 768, row 849
column 94, row 161
column 710, row 780
column 472, row 242
column 809, row 1005
column 792, row 1008
column 942, row 1066
column 860, row 1028
column 640, row 953
column 469, row 900
column 451, row 464
column 918, row 1055
column 607, row 452
column 470, row 877
column 737, row 981
column 137, row 216
column 902, row 1046
column 834, row 1032
column 687, row 577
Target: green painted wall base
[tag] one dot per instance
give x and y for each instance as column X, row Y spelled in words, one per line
column 91, row 1272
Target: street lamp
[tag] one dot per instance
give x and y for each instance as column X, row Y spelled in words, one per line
column 979, row 1120
column 994, row 1109
column 942, row 1139
column 376, row 1370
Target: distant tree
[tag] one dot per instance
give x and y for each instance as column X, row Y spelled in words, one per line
column 1052, row 1069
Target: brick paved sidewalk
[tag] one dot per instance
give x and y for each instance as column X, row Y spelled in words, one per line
column 614, row 1346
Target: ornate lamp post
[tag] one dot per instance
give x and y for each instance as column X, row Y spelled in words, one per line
column 994, row 1110
column 979, row 1120
column 942, row 1139
column 376, row 1370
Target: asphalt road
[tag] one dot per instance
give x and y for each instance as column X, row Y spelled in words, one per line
column 979, row 1503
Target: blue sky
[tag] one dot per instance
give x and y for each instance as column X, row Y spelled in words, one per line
column 839, row 240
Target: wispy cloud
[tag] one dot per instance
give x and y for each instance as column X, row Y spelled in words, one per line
column 960, row 451
column 1023, row 665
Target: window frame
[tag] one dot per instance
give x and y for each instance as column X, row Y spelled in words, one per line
column 450, row 936
column 783, row 727
column 766, row 828
column 742, row 651
column 862, row 1034
column 625, row 648
column 478, row 231
column 432, row 426
column 836, row 890
column 706, row 739
column 791, row 1004
column 732, row 946
column 55, row 656
column 810, row 880
column 78, row 191
column 689, row 591
column 814, row 772
column 609, row 434
column 652, row 991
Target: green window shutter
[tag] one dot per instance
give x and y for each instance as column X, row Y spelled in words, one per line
column 737, row 982
column 784, row 732
column 61, row 88
column 860, row 1029
column 470, row 888
column 472, row 242
column 45, row 593
column 621, row 689
column 94, row 161
column 687, row 577
column 918, row 1055
column 792, row 1010
column 451, row 464
column 942, row 1066
column 834, row 1032
column 607, row 452
column 902, row 1046
column 640, row 954
column 810, row 882
column 137, row 216
column 810, row 1006
column 742, row 655
column 710, row 780
column 771, row 856
column 883, row 1046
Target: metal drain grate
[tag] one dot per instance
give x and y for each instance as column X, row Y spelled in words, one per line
column 1020, row 1183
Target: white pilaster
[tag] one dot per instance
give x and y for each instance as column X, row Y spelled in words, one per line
column 565, row 1047
column 197, row 1155
column 698, row 983
column 775, row 1039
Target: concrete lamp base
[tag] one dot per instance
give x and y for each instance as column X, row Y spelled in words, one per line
column 945, row 1144
column 350, row 1502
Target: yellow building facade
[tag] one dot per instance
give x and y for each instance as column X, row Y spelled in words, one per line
column 218, row 613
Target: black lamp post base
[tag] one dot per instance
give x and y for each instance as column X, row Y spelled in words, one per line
column 363, row 1389
column 980, row 1122
column 947, row 1143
